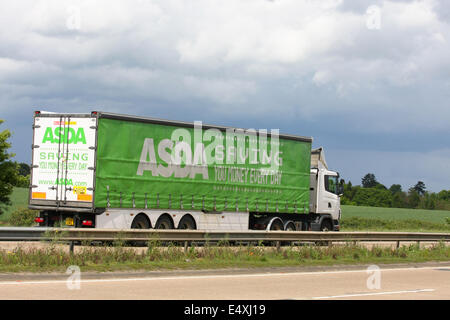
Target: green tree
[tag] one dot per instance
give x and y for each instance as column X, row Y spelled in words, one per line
column 349, row 184
column 413, row 198
column 23, row 181
column 381, row 186
column 420, row 188
column 428, row 201
column 8, row 170
column 369, row 181
column 349, row 192
column 399, row 200
column 24, row 169
column 444, row 195
column 373, row 197
column 395, row 188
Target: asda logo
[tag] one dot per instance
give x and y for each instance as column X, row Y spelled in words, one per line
column 66, row 182
column 64, row 135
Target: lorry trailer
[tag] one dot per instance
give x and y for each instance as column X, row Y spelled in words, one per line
column 107, row 170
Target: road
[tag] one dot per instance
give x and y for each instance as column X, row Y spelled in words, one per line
column 417, row 282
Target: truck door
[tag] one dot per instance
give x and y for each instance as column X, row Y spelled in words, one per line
column 63, row 160
column 328, row 197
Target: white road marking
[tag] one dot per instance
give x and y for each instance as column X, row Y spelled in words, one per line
column 375, row 294
column 268, row 274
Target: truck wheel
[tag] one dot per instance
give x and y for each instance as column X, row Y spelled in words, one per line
column 187, row 222
column 290, row 226
column 140, row 222
column 164, row 222
column 277, row 225
column 326, row 225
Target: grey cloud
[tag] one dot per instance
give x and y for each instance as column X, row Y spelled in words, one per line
column 301, row 66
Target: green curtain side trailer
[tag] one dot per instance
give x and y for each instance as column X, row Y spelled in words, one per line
column 107, row 170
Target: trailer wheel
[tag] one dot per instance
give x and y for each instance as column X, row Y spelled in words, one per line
column 164, row 222
column 140, row 222
column 277, row 224
column 187, row 222
column 290, row 226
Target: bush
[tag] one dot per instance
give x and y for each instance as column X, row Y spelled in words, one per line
column 23, row 181
column 23, row 217
column 373, row 197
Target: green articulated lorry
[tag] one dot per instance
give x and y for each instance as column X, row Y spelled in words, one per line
column 105, row 170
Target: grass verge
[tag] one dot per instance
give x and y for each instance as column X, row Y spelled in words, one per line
column 54, row 258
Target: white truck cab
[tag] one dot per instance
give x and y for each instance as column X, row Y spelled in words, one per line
column 325, row 190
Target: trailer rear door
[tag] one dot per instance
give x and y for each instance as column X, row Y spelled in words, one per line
column 63, row 160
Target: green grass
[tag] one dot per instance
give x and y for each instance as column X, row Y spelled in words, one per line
column 19, row 198
column 393, row 219
column 363, row 224
column 435, row 216
column 102, row 259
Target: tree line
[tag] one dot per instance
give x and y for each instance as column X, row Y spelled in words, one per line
column 374, row 194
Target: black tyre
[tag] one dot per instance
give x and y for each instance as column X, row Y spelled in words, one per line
column 164, row 222
column 187, row 223
column 140, row 222
column 326, row 225
column 290, row 226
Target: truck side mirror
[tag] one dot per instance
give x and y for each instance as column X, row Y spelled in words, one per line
column 340, row 190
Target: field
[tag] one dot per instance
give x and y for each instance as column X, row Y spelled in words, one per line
column 18, row 198
column 435, row 216
column 394, row 219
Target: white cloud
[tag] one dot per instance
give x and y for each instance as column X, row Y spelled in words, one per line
column 310, row 67
column 310, row 59
column 322, row 77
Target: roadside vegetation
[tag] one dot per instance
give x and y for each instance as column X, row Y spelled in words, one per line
column 23, row 217
column 17, row 214
column 155, row 257
column 12, row 174
column 19, row 200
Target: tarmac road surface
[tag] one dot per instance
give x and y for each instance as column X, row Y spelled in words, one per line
column 420, row 281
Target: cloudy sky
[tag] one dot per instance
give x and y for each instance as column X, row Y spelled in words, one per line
column 369, row 80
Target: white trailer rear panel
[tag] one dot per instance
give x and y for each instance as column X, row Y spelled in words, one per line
column 63, row 160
